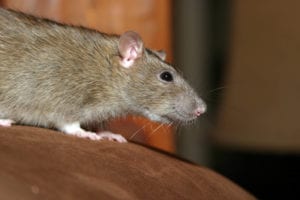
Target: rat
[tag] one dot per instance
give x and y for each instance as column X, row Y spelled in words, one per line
column 61, row 76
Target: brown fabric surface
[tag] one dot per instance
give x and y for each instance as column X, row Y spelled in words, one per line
column 38, row 163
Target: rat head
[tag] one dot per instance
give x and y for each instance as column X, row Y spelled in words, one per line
column 154, row 88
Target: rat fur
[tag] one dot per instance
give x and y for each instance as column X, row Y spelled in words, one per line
column 60, row 76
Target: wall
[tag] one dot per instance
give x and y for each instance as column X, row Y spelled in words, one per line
column 260, row 109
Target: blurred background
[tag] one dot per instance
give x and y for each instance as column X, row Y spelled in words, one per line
column 243, row 59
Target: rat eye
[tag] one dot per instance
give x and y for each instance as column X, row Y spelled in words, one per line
column 166, row 76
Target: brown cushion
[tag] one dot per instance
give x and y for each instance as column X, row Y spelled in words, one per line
column 38, row 163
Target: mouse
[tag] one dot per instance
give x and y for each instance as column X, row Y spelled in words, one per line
column 60, row 76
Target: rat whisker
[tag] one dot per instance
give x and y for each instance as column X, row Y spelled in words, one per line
column 217, row 89
column 151, row 134
column 170, row 124
column 136, row 132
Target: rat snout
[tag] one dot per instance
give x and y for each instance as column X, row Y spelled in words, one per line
column 189, row 106
column 200, row 109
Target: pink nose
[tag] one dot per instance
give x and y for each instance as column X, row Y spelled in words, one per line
column 200, row 110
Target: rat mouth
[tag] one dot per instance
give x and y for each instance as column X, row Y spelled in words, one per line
column 157, row 118
column 174, row 116
column 178, row 116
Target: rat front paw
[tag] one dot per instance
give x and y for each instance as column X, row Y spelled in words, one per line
column 76, row 130
column 106, row 135
column 89, row 135
column 6, row 122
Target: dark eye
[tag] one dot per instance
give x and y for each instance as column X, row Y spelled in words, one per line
column 166, row 76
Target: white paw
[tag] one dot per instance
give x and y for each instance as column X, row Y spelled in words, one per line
column 112, row 137
column 86, row 134
column 6, row 122
column 76, row 130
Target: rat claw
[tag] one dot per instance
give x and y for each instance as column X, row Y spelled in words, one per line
column 112, row 137
column 88, row 135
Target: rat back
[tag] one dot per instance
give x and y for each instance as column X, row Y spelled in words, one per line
column 47, row 69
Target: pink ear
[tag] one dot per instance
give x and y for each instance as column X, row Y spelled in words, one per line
column 130, row 48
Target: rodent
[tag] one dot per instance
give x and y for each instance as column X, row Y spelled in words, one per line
column 61, row 76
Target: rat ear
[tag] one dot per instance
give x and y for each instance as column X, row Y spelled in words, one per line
column 130, row 48
column 161, row 54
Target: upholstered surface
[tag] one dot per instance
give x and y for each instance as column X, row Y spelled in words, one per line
column 38, row 163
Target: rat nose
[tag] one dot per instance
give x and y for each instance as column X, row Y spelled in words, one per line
column 200, row 110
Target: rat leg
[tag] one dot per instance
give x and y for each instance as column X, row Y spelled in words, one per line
column 6, row 122
column 76, row 130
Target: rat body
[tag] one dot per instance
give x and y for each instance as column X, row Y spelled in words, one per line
column 61, row 76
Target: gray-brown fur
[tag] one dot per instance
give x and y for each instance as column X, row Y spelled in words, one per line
column 52, row 74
